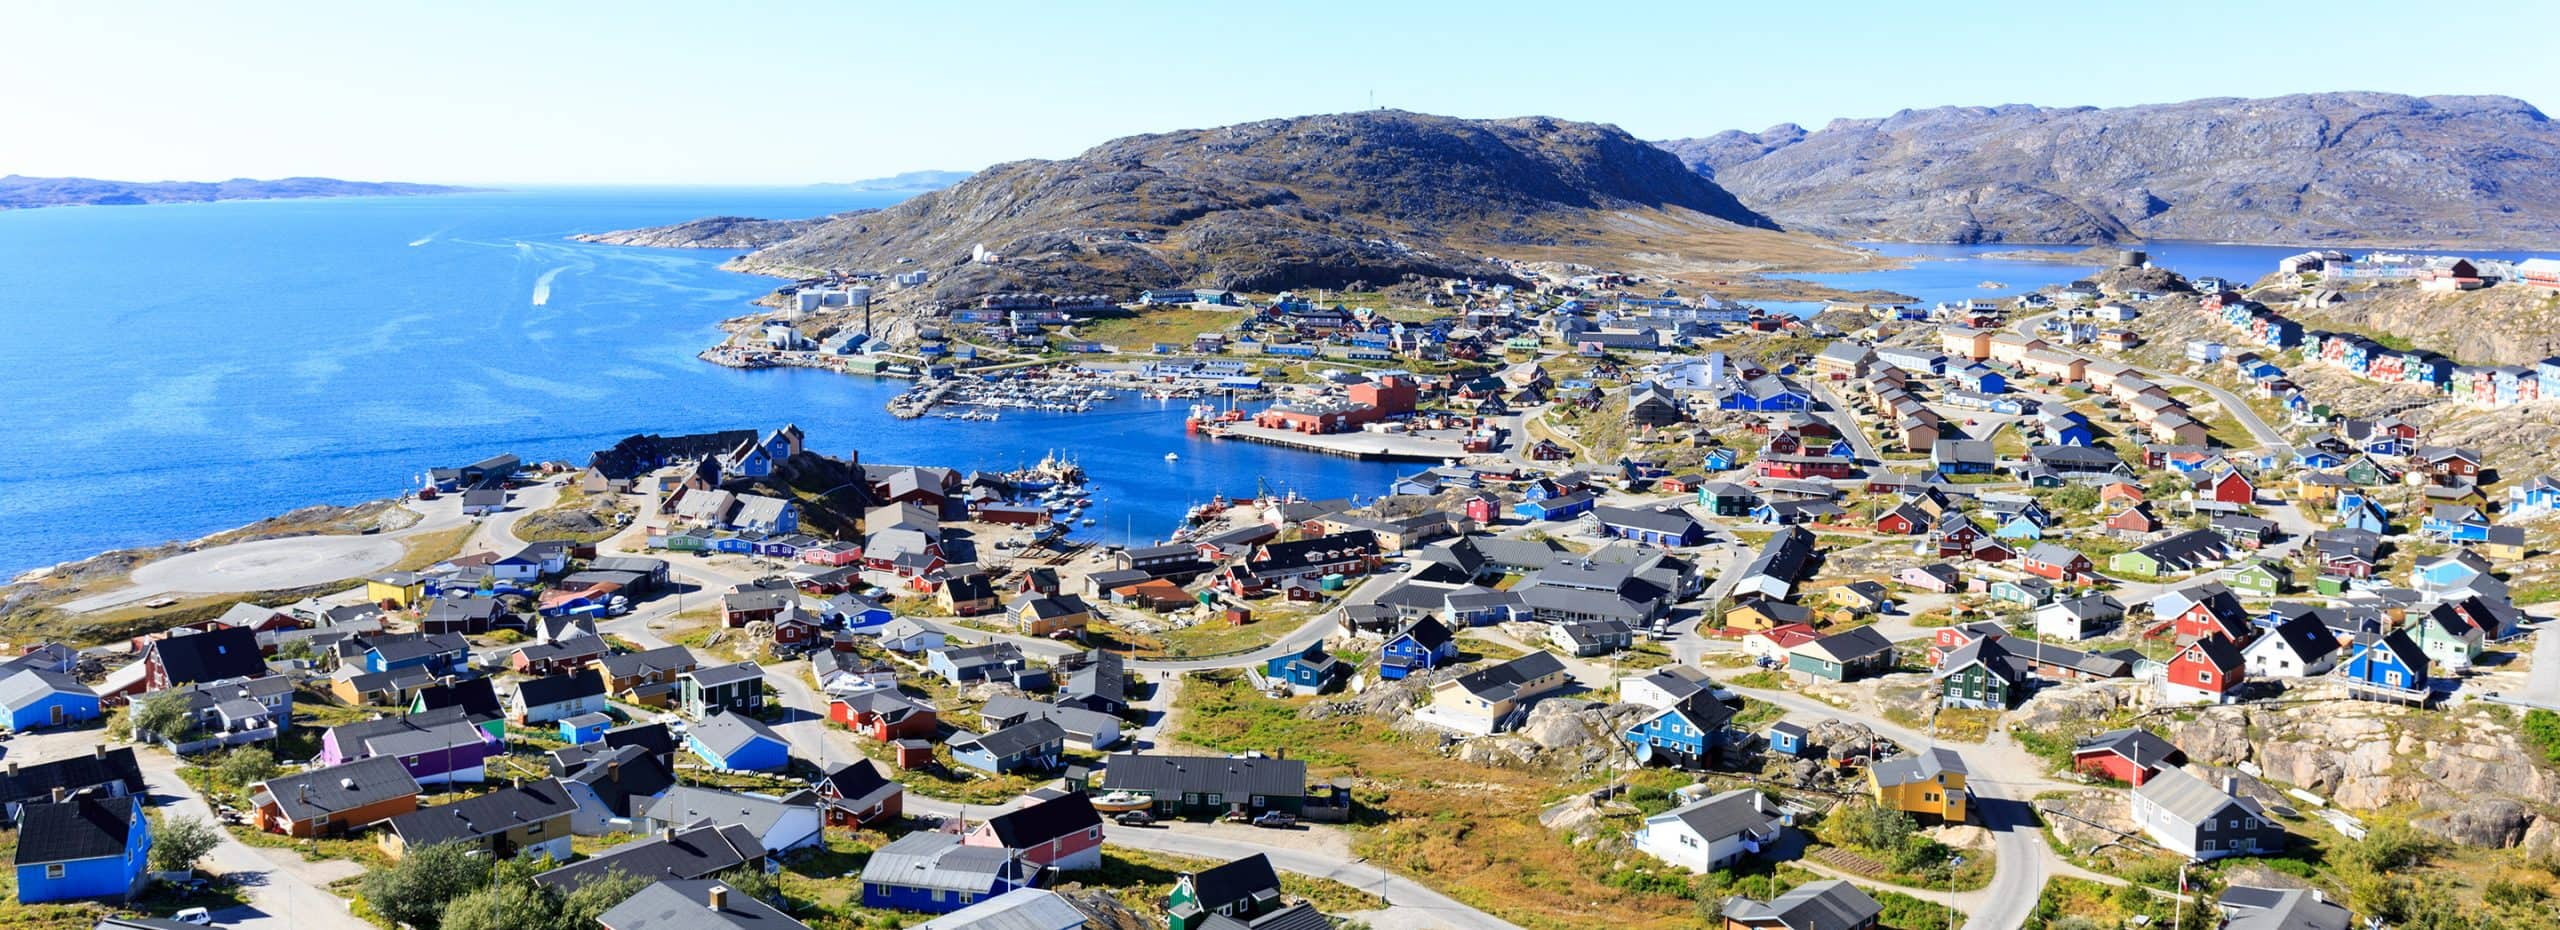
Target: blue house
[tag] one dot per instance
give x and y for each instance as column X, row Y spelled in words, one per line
column 2322, row 458
column 1033, row 745
column 1767, row 393
column 1689, row 734
column 2455, row 523
column 2019, row 526
column 1566, row 507
column 85, row 848
column 1787, row 739
column 1309, row 671
column 2065, row 428
column 1654, row 526
column 737, row 743
column 1981, row 379
column 438, row 653
column 2358, row 512
column 2540, row 493
column 42, row 697
column 854, row 611
column 1425, row 645
column 2391, row 665
column 584, row 728
column 1722, row 459
column 935, row 873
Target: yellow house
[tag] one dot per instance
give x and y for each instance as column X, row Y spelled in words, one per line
column 1482, row 701
column 1928, row 786
column 2505, row 543
column 1765, row 615
column 398, row 589
column 1048, row 614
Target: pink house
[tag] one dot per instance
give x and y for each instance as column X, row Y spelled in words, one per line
column 1063, row 832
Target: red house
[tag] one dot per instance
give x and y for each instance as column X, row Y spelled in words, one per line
column 2055, row 562
column 2120, row 492
column 858, row 796
column 2131, row 755
column 1951, row 638
column 2135, row 519
column 1480, row 510
column 2202, row 611
column 2207, row 671
column 1063, row 832
column 1902, row 521
column 2232, row 487
column 883, row 714
column 1805, row 466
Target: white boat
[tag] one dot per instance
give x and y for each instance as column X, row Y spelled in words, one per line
column 1171, row 457
column 1088, row 521
column 1116, row 801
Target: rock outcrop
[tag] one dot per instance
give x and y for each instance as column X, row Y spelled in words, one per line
column 716, row 232
column 2339, row 167
column 1319, row 201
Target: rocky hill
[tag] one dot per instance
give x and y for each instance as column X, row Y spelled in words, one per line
column 2506, row 325
column 18, row 192
column 1318, row 201
column 2342, row 167
column 716, row 232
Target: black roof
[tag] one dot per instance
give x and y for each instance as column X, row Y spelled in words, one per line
column 85, row 828
column 617, row 775
column 231, row 652
column 700, row 852
column 553, row 689
column 476, row 696
column 1174, row 776
column 473, row 818
column 35, row 782
column 1018, row 737
column 1286, row 557
column 1228, row 883
column 1030, row 826
column 346, row 786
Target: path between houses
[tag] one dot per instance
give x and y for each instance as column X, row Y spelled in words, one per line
column 284, row 891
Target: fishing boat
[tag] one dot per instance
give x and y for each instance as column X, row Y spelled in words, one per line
column 1113, row 802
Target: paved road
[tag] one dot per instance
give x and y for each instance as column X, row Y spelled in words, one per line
column 2258, row 429
column 284, row 892
column 272, row 564
column 1837, row 411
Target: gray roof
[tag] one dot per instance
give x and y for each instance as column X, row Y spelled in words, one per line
column 1850, row 645
column 727, row 733
column 730, row 674
column 30, row 685
column 1502, row 682
column 1166, row 775
column 686, row 905
column 1074, row 721
column 685, row 806
column 1020, row 909
column 938, row 862
column 1903, row 770
column 2190, row 799
column 1830, row 904
column 1014, row 739
column 495, row 812
column 1741, row 810
column 349, row 785
column 2281, row 909
column 2137, row 745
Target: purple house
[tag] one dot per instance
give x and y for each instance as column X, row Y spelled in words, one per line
column 437, row 747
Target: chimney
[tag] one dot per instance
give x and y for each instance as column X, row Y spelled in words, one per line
column 667, row 834
column 13, row 769
column 57, row 794
column 2231, row 785
column 98, row 751
column 719, row 897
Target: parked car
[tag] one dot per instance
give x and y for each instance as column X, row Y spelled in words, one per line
column 1134, row 818
column 1276, row 819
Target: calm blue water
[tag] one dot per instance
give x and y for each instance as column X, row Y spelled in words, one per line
column 177, row 370
column 1951, row 272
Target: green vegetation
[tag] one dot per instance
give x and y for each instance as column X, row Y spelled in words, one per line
column 2542, row 732
column 1138, row 331
column 178, row 841
column 449, row 886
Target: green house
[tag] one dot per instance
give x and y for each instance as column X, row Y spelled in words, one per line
column 1240, row 891
column 1843, row 656
column 2262, row 578
column 2332, row 585
column 1980, row 675
column 2364, row 472
column 2134, row 562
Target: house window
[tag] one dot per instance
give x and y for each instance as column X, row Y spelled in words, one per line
column 2204, row 677
column 534, row 828
column 53, row 870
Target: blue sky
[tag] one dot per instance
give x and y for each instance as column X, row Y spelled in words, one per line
column 797, row 92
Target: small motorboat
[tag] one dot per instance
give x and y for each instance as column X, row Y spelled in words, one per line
column 1112, row 802
column 1172, row 457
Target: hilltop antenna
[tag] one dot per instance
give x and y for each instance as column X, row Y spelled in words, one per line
column 1373, row 98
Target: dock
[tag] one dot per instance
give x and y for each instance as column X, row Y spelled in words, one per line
column 1365, row 446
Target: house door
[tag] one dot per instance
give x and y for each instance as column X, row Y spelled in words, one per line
column 57, row 715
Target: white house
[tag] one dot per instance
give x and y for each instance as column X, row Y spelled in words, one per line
column 1662, row 687
column 781, row 825
column 910, row 637
column 1711, row 834
column 2198, row 820
column 557, row 697
column 2299, row 647
column 2078, row 618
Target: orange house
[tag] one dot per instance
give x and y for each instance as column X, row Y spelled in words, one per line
column 335, row 800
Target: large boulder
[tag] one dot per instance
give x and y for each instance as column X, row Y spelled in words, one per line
column 2489, row 823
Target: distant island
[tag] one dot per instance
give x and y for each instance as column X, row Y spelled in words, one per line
column 904, row 181
column 18, row 192
column 715, row 232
